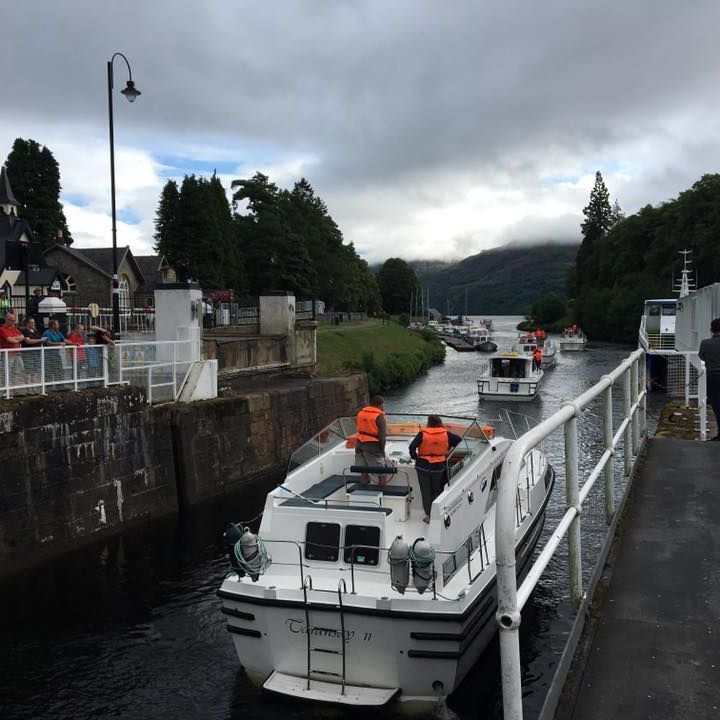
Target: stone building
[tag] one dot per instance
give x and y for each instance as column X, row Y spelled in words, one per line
column 85, row 275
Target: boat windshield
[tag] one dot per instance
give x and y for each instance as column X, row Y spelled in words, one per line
column 334, row 434
column 401, row 429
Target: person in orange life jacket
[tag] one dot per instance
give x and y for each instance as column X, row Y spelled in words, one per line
column 537, row 358
column 370, row 443
column 429, row 449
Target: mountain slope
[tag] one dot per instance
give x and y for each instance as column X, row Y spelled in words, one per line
column 502, row 281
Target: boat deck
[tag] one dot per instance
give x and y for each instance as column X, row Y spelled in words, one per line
column 656, row 651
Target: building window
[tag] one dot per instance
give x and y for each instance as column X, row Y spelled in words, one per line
column 124, row 286
column 67, row 283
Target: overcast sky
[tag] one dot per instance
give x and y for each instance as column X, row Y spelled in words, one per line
column 432, row 130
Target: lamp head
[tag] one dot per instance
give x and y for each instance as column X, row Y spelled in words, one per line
column 130, row 92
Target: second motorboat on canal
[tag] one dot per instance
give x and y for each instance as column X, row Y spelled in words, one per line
column 509, row 375
column 346, row 595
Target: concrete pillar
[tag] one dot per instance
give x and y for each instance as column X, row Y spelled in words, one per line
column 178, row 311
column 277, row 314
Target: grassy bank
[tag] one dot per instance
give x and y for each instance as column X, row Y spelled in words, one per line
column 391, row 355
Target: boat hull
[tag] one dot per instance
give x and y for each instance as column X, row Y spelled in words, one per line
column 486, row 347
column 572, row 346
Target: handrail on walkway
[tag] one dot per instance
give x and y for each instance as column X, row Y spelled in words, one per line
column 631, row 430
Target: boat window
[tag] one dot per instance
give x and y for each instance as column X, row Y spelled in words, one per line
column 322, row 541
column 496, row 476
column 328, row 438
column 356, row 538
column 668, row 310
column 474, row 441
column 458, row 559
column 654, row 310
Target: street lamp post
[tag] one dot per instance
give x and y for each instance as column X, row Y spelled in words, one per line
column 25, row 248
column 131, row 93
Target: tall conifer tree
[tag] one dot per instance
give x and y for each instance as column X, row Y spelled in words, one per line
column 35, row 178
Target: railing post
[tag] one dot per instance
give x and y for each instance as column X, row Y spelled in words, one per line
column 572, row 498
column 627, row 442
column 174, row 371
column 608, row 443
column 42, row 370
column 636, row 415
column 150, row 369
column 687, row 380
column 7, row 374
column 642, row 386
column 74, row 368
column 106, row 377
column 702, row 401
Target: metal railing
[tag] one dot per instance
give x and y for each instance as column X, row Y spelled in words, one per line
column 631, row 431
column 230, row 313
column 132, row 319
column 700, row 394
column 160, row 367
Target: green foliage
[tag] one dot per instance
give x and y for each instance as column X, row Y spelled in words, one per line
column 637, row 258
column 397, row 282
column 404, row 320
column 194, row 224
column 505, row 280
column 290, row 242
column 598, row 220
column 34, row 175
column 548, row 309
column 391, row 356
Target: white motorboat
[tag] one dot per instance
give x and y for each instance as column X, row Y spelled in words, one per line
column 481, row 339
column 346, row 595
column 573, row 340
column 509, row 375
column 527, row 342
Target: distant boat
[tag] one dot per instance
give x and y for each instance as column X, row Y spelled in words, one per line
column 509, row 375
column 573, row 340
column 527, row 342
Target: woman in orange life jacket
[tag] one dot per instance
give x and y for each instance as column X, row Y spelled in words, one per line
column 429, row 450
column 370, row 443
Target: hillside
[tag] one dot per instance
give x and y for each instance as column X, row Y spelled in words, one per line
column 502, row 281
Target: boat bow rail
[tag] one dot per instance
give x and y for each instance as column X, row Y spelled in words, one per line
column 630, row 433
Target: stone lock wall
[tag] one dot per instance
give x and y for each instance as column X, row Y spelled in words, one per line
column 75, row 465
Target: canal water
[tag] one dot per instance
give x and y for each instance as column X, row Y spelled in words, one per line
column 130, row 627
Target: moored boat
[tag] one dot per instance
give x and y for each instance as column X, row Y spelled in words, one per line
column 346, row 596
column 527, row 342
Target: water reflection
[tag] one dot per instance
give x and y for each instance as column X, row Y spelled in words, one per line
column 130, row 627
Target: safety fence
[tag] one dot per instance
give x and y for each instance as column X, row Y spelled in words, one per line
column 629, row 435
column 161, row 368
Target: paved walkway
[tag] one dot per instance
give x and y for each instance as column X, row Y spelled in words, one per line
column 656, row 652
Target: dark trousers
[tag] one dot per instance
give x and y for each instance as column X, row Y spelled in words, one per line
column 431, row 477
column 713, row 395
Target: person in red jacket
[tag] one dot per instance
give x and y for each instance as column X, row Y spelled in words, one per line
column 371, row 430
column 429, row 449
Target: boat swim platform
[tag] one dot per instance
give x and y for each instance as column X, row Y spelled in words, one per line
column 651, row 646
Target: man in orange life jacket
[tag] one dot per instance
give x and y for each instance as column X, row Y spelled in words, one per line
column 429, row 450
column 537, row 358
column 370, row 443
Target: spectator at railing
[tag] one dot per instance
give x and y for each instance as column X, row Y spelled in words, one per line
column 102, row 336
column 11, row 339
column 53, row 359
column 31, row 360
column 76, row 337
column 94, row 358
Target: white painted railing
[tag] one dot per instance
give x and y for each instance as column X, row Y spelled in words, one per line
column 655, row 341
column 630, row 432
column 160, row 367
column 700, row 396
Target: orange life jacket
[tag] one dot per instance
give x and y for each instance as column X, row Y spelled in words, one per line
column 366, row 423
column 434, row 444
column 537, row 353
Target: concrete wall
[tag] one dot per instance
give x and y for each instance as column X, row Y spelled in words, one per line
column 246, row 353
column 77, row 465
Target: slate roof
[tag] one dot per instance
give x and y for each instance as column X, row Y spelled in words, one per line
column 100, row 259
column 151, row 267
column 44, row 276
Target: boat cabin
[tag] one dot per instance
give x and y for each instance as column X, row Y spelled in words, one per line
column 657, row 331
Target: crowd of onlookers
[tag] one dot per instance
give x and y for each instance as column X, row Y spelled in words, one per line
column 25, row 367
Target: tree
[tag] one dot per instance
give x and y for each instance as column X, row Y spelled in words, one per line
column 598, row 220
column 617, row 215
column 397, row 281
column 35, row 178
column 548, row 308
column 166, row 235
